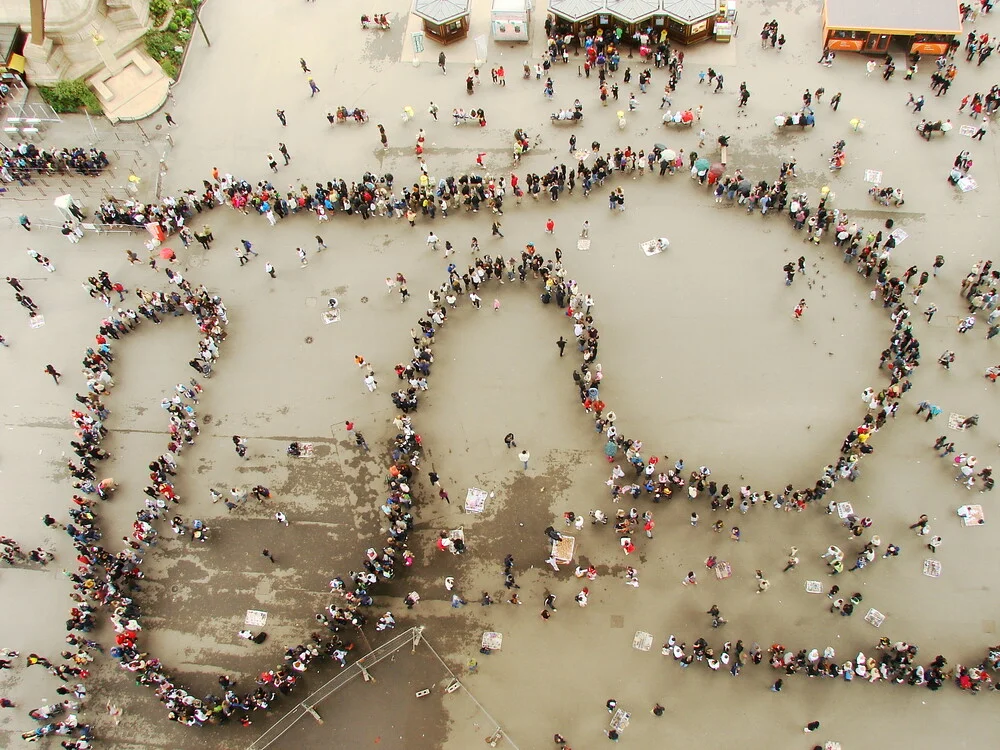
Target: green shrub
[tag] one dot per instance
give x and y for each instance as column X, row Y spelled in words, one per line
column 161, row 46
column 69, row 96
column 158, row 9
column 184, row 17
column 169, row 68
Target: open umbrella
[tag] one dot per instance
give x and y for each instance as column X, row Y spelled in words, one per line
column 687, row 116
column 661, row 146
column 702, row 164
column 167, row 254
column 716, row 169
column 669, row 154
column 946, row 126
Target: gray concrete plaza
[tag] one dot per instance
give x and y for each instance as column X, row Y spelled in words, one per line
column 702, row 359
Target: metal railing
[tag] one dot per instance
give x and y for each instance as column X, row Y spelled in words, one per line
column 351, row 672
column 415, row 636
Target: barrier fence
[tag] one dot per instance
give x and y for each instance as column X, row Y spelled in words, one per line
column 307, row 707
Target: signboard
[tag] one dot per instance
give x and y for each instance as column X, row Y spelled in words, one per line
column 255, row 618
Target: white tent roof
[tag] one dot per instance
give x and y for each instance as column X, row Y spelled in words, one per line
column 441, row 11
column 574, row 10
column 690, row 10
column 633, row 11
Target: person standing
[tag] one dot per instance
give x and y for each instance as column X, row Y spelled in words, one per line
column 509, row 440
column 433, row 111
column 978, row 135
column 241, row 446
column 281, row 116
column 313, row 88
column 561, row 343
column 523, row 457
column 270, row 270
column 284, row 152
column 799, row 309
column 812, row 726
column 24, row 221
column 441, row 63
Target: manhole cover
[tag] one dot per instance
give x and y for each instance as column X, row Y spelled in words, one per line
column 364, row 300
column 174, row 589
column 309, row 339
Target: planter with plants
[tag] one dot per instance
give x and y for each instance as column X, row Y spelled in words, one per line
column 167, row 41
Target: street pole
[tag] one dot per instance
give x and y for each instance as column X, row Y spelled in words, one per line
column 145, row 137
column 201, row 26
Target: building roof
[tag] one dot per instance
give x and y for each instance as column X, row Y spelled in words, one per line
column 897, row 16
column 688, row 11
column 506, row 6
column 577, row 10
column 633, row 11
column 440, row 11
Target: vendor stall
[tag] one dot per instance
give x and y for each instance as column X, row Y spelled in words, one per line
column 635, row 16
column 923, row 26
column 563, row 549
column 690, row 21
column 510, row 20
column 583, row 17
column 445, row 21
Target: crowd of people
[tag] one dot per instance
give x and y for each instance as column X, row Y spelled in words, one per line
column 107, row 579
column 25, row 160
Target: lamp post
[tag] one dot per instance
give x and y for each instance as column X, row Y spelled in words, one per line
column 201, row 26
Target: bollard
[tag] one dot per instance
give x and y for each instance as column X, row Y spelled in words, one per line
column 312, row 712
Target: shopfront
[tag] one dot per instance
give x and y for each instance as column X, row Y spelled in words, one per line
column 690, row 21
column 580, row 17
column 686, row 21
column 633, row 16
column 926, row 27
column 445, row 21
